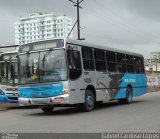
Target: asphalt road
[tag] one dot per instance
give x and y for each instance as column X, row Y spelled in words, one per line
column 143, row 115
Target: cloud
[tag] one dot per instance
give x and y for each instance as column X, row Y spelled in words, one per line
column 124, row 24
column 145, row 8
column 23, row 7
column 123, row 27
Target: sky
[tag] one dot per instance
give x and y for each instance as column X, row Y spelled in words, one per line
column 132, row 25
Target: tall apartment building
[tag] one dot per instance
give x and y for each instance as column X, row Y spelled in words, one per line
column 39, row 26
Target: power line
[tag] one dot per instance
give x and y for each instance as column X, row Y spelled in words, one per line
column 72, row 29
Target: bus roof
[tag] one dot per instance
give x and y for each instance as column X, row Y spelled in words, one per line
column 83, row 43
column 9, row 52
column 87, row 44
column 8, row 46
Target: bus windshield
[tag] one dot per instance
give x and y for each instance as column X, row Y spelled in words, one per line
column 43, row 66
column 8, row 72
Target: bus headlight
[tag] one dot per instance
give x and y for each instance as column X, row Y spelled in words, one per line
column 66, row 91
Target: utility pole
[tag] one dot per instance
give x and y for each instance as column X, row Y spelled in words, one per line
column 78, row 21
column 77, row 4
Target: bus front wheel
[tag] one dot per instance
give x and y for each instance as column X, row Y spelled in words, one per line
column 47, row 109
column 89, row 101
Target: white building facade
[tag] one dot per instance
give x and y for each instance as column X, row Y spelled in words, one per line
column 39, row 26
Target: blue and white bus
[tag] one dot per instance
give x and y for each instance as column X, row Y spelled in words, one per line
column 71, row 72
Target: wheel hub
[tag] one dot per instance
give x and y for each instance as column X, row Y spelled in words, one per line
column 89, row 101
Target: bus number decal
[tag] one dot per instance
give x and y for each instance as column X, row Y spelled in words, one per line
column 88, row 80
column 130, row 80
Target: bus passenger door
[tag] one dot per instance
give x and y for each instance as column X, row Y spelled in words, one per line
column 75, row 74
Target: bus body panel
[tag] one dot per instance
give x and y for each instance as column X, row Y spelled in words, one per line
column 77, row 91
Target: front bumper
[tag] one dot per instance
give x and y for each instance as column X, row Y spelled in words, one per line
column 62, row 99
column 12, row 96
column 12, row 99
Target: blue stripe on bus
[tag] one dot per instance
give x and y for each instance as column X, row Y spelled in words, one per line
column 134, row 80
column 41, row 91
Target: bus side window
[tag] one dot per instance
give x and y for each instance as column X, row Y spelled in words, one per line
column 121, row 62
column 130, row 64
column 111, row 61
column 88, row 61
column 75, row 67
column 139, row 65
column 100, row 60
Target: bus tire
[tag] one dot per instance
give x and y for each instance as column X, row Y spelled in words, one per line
column 129, row 96
column 47, row 109
column 89, row 101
